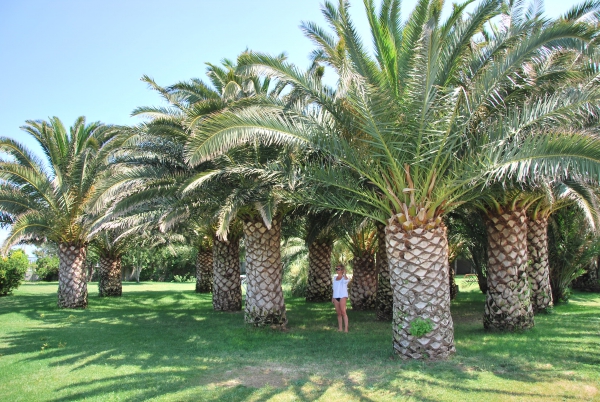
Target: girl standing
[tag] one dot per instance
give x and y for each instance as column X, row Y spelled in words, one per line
column 340, row 296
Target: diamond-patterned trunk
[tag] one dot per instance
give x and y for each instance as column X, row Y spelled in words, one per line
column 508, row 299
column 538, row 271
column 264, row 271
column 227, row 285
column 385, row 296
column 204, row 271
column 418, row 261
column 363, row 286
column 109, row 283
column 319, row 287
column 72, row 287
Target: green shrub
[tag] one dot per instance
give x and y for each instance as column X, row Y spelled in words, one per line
column 572, row 245
column 47, row 268
column 183, row 278
column 420, row 327
column 296, row 277
column 12, row 270
column 161, row 264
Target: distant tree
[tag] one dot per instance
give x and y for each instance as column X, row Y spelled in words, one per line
column 12, row 271
column 46, row 263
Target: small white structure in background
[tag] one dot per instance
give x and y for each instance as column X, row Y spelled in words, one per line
column 31, row 276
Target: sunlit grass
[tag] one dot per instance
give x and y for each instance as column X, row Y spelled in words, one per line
column 161, row 341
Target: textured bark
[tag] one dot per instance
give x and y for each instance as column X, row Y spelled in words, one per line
column 227, row 285
column 538, row 271
column 72, row 287
column 418, row 262
column 385, row 295
column 109, row 283
column 363, row 286
column 452, row 283
column 204, row 271
column 319, row 287
column 264, row 271
column 508, row 299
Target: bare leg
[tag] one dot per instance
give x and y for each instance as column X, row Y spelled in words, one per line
column 338, row 310
column 344, row 316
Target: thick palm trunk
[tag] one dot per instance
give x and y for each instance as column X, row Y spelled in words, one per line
column 363, row 287
column 204, row 271
column 319, row 287
column 539, row 269
column 264, row 271
column 227, row 285
column 109, row 283
column 508, row 300
column 385, row 296
column 418, row 260
column 72, row 287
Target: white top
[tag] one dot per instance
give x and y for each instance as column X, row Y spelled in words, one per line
column 340, row 287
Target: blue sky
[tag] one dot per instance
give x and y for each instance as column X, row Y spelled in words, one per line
column 69, row 58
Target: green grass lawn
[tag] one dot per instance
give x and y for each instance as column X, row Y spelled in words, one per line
column 163, row 342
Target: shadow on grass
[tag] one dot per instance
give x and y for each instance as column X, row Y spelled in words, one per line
column 185, row 349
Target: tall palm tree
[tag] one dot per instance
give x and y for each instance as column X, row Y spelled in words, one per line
column 410, row 136
column 257, row 180
column 48, row 198
column 361, row 239
column 156, row 171
column 554, row 197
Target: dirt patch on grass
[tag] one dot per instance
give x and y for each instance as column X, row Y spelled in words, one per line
column 585, row 391
column 273, row 375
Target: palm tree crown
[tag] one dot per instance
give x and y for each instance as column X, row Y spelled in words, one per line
column 48, row 198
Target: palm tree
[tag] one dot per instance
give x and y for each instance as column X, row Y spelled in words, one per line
column 48, row 198
column 508, row 299
column 410, row 136
column 155, row 171
column 320, row 234
column 361, row 239
column 556, row 195
column 110, row 249
column 227, row 284
column 204, row 264
column 256, row 180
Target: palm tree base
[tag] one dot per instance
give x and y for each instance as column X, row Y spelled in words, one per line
column 538, row 271
column 265, row 317
column 109, row 283
column 319, row 285
column 418, row 260
column 227, row 284
column 204, row 271
column 72, row 286
column 362, row 289
column 508, row 299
